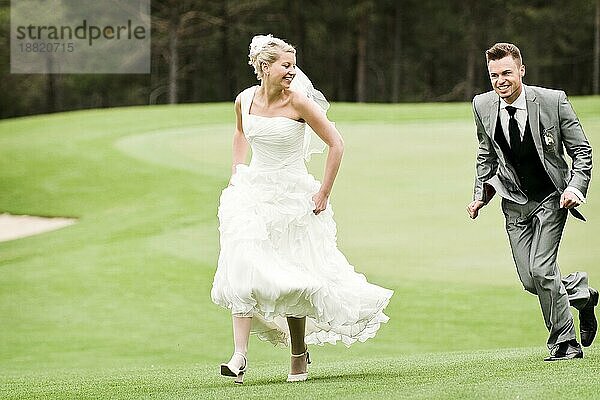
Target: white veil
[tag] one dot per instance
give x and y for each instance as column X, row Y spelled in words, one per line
column 312, row 142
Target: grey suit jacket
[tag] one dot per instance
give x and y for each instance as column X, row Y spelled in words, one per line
column 555, row 128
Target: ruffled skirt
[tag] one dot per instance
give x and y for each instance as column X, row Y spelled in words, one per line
column 278, row 259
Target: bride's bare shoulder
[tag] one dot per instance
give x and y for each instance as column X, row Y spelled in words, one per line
column 298, row 99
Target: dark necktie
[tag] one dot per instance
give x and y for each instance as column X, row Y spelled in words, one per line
column 513, row 128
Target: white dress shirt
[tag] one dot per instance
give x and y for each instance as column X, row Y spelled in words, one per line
column 521, row 116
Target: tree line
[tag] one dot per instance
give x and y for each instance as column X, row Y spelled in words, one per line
column 364, row 51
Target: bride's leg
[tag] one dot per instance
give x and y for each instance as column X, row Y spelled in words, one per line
column 236, row 367
column 241, row 333
column 297, row 331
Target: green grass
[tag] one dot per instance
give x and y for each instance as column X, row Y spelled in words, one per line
column 118, row 305
column 479, row 374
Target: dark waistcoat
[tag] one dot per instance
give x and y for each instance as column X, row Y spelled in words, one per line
column 533, row 178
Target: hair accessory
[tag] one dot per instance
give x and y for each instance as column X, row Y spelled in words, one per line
column 258, row 43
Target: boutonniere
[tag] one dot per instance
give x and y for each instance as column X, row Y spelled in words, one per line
column 548, row 137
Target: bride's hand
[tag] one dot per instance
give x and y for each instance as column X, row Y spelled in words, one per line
column 320, row 200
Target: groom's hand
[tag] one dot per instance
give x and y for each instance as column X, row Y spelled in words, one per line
column 569, row 200
column 474, row 207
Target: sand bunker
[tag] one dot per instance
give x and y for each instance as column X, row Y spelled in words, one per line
column 20, row 226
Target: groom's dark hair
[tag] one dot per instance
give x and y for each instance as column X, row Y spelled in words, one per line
column 501, row 50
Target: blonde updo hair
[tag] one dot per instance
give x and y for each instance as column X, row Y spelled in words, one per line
column 266, row 49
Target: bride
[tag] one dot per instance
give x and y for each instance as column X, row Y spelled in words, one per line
column 279, row 270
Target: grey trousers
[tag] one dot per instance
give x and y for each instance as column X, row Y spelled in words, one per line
column 534, row 232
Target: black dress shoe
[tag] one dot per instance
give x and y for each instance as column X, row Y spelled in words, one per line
column 566, row 351
column 587, row 320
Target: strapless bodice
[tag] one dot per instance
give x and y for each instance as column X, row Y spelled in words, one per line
column 276, row 142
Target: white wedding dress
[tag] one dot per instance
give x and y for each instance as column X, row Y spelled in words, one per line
column 277, row 257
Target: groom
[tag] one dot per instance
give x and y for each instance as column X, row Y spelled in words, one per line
column 523, row 132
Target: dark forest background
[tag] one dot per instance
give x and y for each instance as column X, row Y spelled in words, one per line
column 365, row 51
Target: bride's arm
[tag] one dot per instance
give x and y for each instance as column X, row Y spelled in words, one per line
column 316, row 118
column 240, row 145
